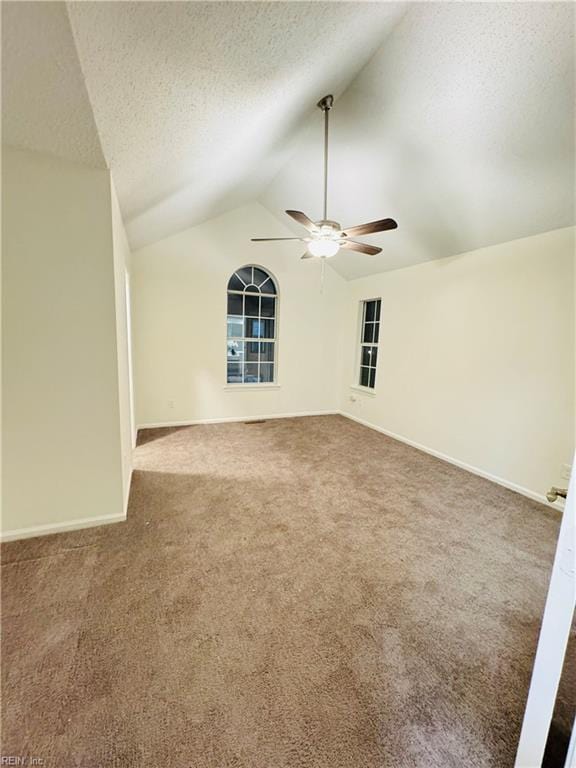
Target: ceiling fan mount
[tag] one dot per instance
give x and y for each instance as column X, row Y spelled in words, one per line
column 326, row 102
column 326, row 237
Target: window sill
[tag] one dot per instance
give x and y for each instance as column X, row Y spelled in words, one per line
column 363, row 390
column 243, row 387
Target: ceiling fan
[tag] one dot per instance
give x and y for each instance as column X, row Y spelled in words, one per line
column 327, row 237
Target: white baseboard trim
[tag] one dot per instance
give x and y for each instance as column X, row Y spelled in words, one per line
column 457, row 463
column 230, row 419
column 72, row 525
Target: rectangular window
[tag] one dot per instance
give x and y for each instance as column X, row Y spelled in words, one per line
column 250, row 350
column 369, row 335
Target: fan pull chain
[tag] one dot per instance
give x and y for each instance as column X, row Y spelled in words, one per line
column 322, row 269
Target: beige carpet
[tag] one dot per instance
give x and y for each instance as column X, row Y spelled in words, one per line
column 301, row 593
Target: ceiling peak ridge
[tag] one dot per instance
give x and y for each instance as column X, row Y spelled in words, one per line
column 338, row 95
column 86, row 89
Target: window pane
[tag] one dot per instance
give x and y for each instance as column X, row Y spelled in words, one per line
column 266, row 373
column 267, row 329
column 259, row 329
column 368, row 336
column 251, row 305
column 267, row 306
column 370, row 310
column 235, row 351
column 252, row 289
column 268, row 286
column 252, row 328
column 235, row 284
column 266, row 351
column 234, row 373
column 251, row 373
column 234, row 304
column 372, row 377
column 251, row 354
column 378, row 303
column 245, row 274
column 235, row 326
column 364, row 377
column 368, row 356
column 374, row 357
column 259, row 276
column 376, row 333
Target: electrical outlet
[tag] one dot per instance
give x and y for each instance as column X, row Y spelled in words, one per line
column 352, row 398
column 566, row 471
column 170, row 403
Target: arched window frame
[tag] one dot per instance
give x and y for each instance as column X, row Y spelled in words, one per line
column 252, row 328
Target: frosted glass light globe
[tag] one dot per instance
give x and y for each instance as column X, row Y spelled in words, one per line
column 323, row 247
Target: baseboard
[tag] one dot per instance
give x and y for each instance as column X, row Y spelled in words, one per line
column 230, row 419
column 72, row 525
column 457, row 463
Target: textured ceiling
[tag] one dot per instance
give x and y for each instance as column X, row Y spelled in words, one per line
column 457, row 119
column 461, row 128
column 45, row 106
column 196, row 103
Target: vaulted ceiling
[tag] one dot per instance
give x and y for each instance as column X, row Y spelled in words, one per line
column 457, row 119
column 461, row 128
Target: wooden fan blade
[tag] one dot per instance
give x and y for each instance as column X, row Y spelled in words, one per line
column 301, row 218
column 272, row 239
column 352, row 245
column 307, row 256
column 373, row 226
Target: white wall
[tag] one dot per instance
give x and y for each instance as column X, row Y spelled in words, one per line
column 179, row 323
column 121, row 251
column 61, row 437
column 476, row 358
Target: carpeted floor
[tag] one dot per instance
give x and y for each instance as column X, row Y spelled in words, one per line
column 299, row 593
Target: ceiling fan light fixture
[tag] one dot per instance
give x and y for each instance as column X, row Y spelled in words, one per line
column 324, row 247
column 326, row 237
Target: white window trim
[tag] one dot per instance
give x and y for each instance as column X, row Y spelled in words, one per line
column 263, row 385
column 274, row 384
column 363, row 390
column 371, row 391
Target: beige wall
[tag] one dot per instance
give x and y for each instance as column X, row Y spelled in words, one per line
column 61, row 438
column 476, row 358
column 179, row 324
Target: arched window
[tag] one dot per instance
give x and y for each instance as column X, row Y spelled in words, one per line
column 251, row 338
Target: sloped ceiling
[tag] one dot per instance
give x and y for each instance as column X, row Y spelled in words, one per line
column 197, row 102
column 461, row 128
column 457, row 119
column 45, row 106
